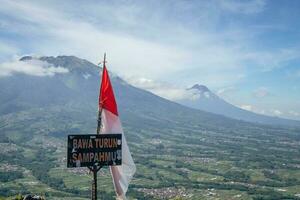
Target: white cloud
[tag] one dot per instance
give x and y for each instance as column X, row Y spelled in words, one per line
column 87, row 40
column 294, row 113
column 269, row 111
column 276, row 112
column 86, row 76
column 155, row 49
column 261, row 92
column 164, row 90
column 268, row 60
column 226, row 90
column 246, row 107
column 259, row 110
column 206, row 95
column 33, row 67
column 7, row 50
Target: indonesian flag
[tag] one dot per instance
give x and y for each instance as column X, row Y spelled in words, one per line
column 111, row 123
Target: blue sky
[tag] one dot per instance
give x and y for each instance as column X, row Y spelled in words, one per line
column 248, row 52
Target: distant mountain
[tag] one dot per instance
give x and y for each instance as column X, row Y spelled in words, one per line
column 210, row 102
column 68, row 101
column 73, row 96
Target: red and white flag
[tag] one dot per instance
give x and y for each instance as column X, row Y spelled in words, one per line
column 111, row 123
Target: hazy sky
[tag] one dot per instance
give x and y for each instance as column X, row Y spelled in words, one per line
column 248, row 52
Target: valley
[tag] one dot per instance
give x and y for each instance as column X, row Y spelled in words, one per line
column 180, row 153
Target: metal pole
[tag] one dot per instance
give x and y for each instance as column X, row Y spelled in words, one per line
column 100, row 109
column 95, row 169
column 94, row 185
column 99, row 121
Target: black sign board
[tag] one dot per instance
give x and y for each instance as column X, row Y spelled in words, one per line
column 87, row 150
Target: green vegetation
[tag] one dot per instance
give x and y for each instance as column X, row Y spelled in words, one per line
column 176, row 161
column 9, row 176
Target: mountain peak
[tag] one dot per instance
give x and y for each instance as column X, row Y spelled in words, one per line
column 73, row 63
column 25, row 58
column 201, row 88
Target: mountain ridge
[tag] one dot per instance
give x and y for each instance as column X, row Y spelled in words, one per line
column 74, row 88
column 210, row 102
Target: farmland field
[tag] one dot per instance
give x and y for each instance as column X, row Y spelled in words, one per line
column 187, row 162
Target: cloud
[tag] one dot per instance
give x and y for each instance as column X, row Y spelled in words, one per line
column 246, row 107
column 268, row 60
column 155, row 49
column 261, row 92
column 190, row 47
column 226, row 90
column 32, row 67
column 86, row 76
column 263, row 112
column 269, row 112
column 7, row 50
column 276, row 112
column 294, row 113
column 164, row 90
column 85, row 39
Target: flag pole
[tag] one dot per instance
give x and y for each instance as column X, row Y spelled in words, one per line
column 100, row 108
column 96, row 168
